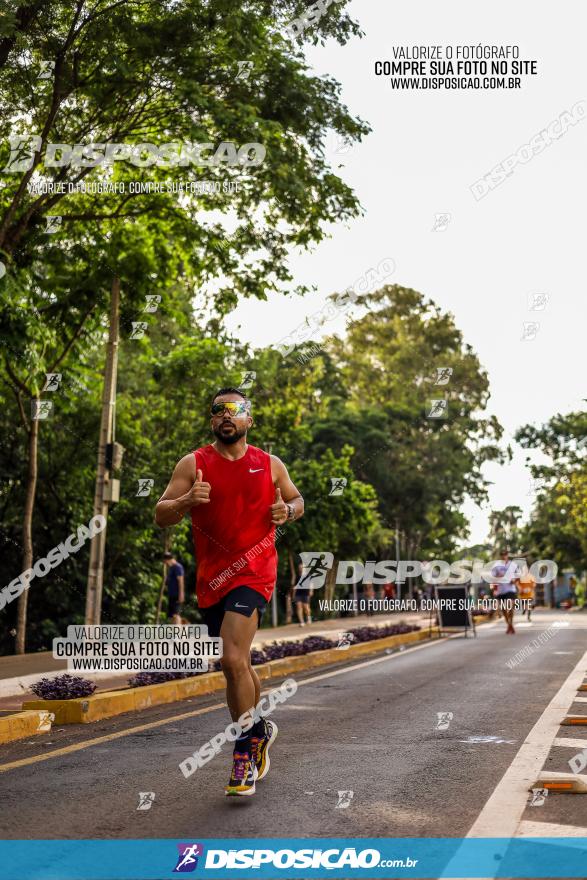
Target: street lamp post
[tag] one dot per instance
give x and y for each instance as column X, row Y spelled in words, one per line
column 106, row 489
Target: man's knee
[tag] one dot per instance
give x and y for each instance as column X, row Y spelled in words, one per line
column 234, row 664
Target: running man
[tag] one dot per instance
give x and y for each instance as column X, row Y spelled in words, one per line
column 505, row 590
column 302, row 597
column 236, row 494
column 526, row 588
column 174, row 581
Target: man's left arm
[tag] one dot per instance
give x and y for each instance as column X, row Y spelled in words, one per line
column 181, row 588
column 288, row 504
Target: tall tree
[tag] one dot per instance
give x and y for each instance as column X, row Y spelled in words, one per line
column 557, row 528
column 395, row 364
column 135, row 75
column 504, row 529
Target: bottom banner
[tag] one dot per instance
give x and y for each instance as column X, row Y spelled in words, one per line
column 371, row 857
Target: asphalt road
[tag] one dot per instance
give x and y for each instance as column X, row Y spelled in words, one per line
column 371, row 729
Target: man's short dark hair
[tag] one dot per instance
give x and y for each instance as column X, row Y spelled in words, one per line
column 168, row 556
column 231, row 390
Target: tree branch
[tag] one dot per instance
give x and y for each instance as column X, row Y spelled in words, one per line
column 76, row 335
column 53, row 110
column 25, row 16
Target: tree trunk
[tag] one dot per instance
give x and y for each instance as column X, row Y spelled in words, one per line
column 330, row 584
column 98, row 542
column 27, row 532
column 166, row 545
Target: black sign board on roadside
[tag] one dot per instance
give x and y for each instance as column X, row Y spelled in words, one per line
column 452, row 612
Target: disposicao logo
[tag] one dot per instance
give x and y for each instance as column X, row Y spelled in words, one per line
column 187, row 860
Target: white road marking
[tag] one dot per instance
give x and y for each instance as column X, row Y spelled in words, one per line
column 580, row 700
column 472, row 740
column 502, row 813
column 571, row 743
column 549, row 829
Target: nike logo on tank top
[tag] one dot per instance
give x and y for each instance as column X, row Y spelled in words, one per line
column 234, row 538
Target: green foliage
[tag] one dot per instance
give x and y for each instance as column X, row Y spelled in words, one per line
column 421, row 468
column 308, row 414
column 558, row 525
column 157, row 71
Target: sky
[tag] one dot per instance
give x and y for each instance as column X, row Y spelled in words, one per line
column 497, row 256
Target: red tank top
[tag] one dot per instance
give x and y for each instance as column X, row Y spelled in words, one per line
column 234, row 538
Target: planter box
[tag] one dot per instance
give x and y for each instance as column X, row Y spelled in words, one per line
column 83, row 710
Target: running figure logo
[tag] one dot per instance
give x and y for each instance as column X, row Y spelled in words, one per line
column 146, row 799
column 530, row 330
column 444, row 719
column 138, row 329
column 443, row 375
column 188, row 857
column 441, row 222
column 244, row 70
column 338, row 485
column 344, row 799
column 22, row 153
column 41, row 409
column 536, row 485
column 247, row 379
column 342, row 144
column 537, row 797
column 53, row 222
column 152, row 302
column 345, row 640
column 537, row 302
column 145, row 486
column 438, row 409
column 315, row 567
column 52, row 382
column 47, row 69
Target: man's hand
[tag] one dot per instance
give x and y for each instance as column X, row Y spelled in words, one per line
column 278, row 509
column 199, row 493
column 181, row 494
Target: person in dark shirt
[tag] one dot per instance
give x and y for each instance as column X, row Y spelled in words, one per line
column 174, row 581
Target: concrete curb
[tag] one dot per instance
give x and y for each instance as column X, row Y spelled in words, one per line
column 23, row 724
column 573, row 783
column 574, row 719
column 14, row 687
column 84, row 710
column 20, row 685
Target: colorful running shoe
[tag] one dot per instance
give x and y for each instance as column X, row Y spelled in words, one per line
column 242, row 777
column 260, row 749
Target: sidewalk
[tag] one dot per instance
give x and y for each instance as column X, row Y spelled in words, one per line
column 19, row 671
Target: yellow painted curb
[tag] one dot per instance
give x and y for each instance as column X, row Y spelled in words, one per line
column 23, row 724
column 109, row 703
column 287, row 665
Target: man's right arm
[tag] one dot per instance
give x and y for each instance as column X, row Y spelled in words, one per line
column 182, row 493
